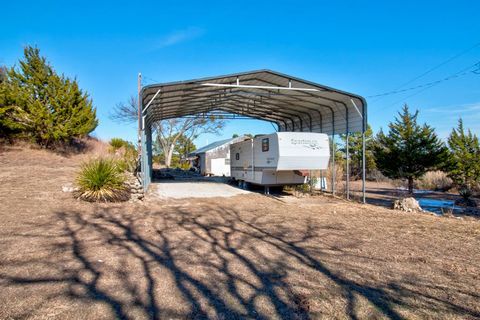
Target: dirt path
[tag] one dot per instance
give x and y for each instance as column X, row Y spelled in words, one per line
column 247, row 256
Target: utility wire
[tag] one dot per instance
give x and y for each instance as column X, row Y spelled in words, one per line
column 440, row 65
column 149, row 80
column 430, row 84
column 434, row 83
column 396, row 90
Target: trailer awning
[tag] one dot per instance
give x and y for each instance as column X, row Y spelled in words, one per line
column 293, row 104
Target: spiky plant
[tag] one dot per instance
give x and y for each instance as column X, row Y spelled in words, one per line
column 101, row 180
column 465, row 192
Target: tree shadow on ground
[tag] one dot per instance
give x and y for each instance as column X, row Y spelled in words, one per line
column 210, row 263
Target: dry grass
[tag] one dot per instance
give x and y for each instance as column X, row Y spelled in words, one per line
column 339, row 178
column 435, row 180
column 243, row 257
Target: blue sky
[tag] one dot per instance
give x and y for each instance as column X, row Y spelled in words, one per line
column 358, row 46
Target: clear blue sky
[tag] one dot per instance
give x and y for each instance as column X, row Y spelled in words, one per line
column 358, row 46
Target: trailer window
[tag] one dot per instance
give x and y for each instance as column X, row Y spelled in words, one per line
column 237, row 156
column 265, row 145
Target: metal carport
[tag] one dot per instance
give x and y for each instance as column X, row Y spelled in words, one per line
column 292, row 104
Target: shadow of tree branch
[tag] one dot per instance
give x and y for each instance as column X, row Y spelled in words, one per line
column 211, row 263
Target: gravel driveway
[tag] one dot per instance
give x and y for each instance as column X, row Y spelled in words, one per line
column 186, row 189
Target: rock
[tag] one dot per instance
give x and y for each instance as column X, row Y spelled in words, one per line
column 407, row 205
column 136, row 188
column 69, row 188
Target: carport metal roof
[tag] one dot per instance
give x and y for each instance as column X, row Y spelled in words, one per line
column 293, row 104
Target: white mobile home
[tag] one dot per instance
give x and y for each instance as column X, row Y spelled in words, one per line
column 277, row 159
column 214, row 159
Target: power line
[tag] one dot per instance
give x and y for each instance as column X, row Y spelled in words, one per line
column 440, row 65
column 396, row 90
column 149, row 80
column 433, row 83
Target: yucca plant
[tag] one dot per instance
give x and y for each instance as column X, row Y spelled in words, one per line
column 465, row 192
column 101, row 180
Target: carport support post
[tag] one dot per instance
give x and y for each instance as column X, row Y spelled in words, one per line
column 139, row 102
column 333, row 153
column 363, row 114
column 347, row 164
column 148, row 134
column 363, row 155
column 146, row 141
column 143, row 150
column 347, row 155
column 333, row 164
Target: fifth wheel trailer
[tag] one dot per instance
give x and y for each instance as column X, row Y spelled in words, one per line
column 277, row 159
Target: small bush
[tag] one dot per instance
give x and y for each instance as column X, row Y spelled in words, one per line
column 465, row 193
column 313, row 182
column 303, row 188
column 126, row 153
column 184, row 166
column 128, row 160
column 102, row 180
column 435, row 180
column 399, row 183
column 376, row 175
column 118, row 143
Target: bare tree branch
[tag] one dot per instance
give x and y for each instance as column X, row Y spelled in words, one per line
column 170, row 130
column 125, row 112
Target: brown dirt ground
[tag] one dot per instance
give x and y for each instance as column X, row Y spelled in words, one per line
column 248, row 256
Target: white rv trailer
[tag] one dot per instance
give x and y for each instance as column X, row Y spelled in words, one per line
column 277, row 159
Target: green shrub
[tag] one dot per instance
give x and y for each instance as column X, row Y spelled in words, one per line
column 312, row 182
column 304, row 188
column 126, row 152
column 102, row 180
column 463, row 165
column 184, row 165
column 118, row 143
column 128, row 161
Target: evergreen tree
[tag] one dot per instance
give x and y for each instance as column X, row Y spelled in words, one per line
column 184, row 146
column 8, row 126
column 3, row 74
column 42, row 105
column 408, row 150
column 464, row 161
column 338, row 151
column 356, row 149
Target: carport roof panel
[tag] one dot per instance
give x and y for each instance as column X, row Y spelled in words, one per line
column 294, row 104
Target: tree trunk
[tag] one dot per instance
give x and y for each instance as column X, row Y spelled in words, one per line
column 168, row 156
column 410, row 185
